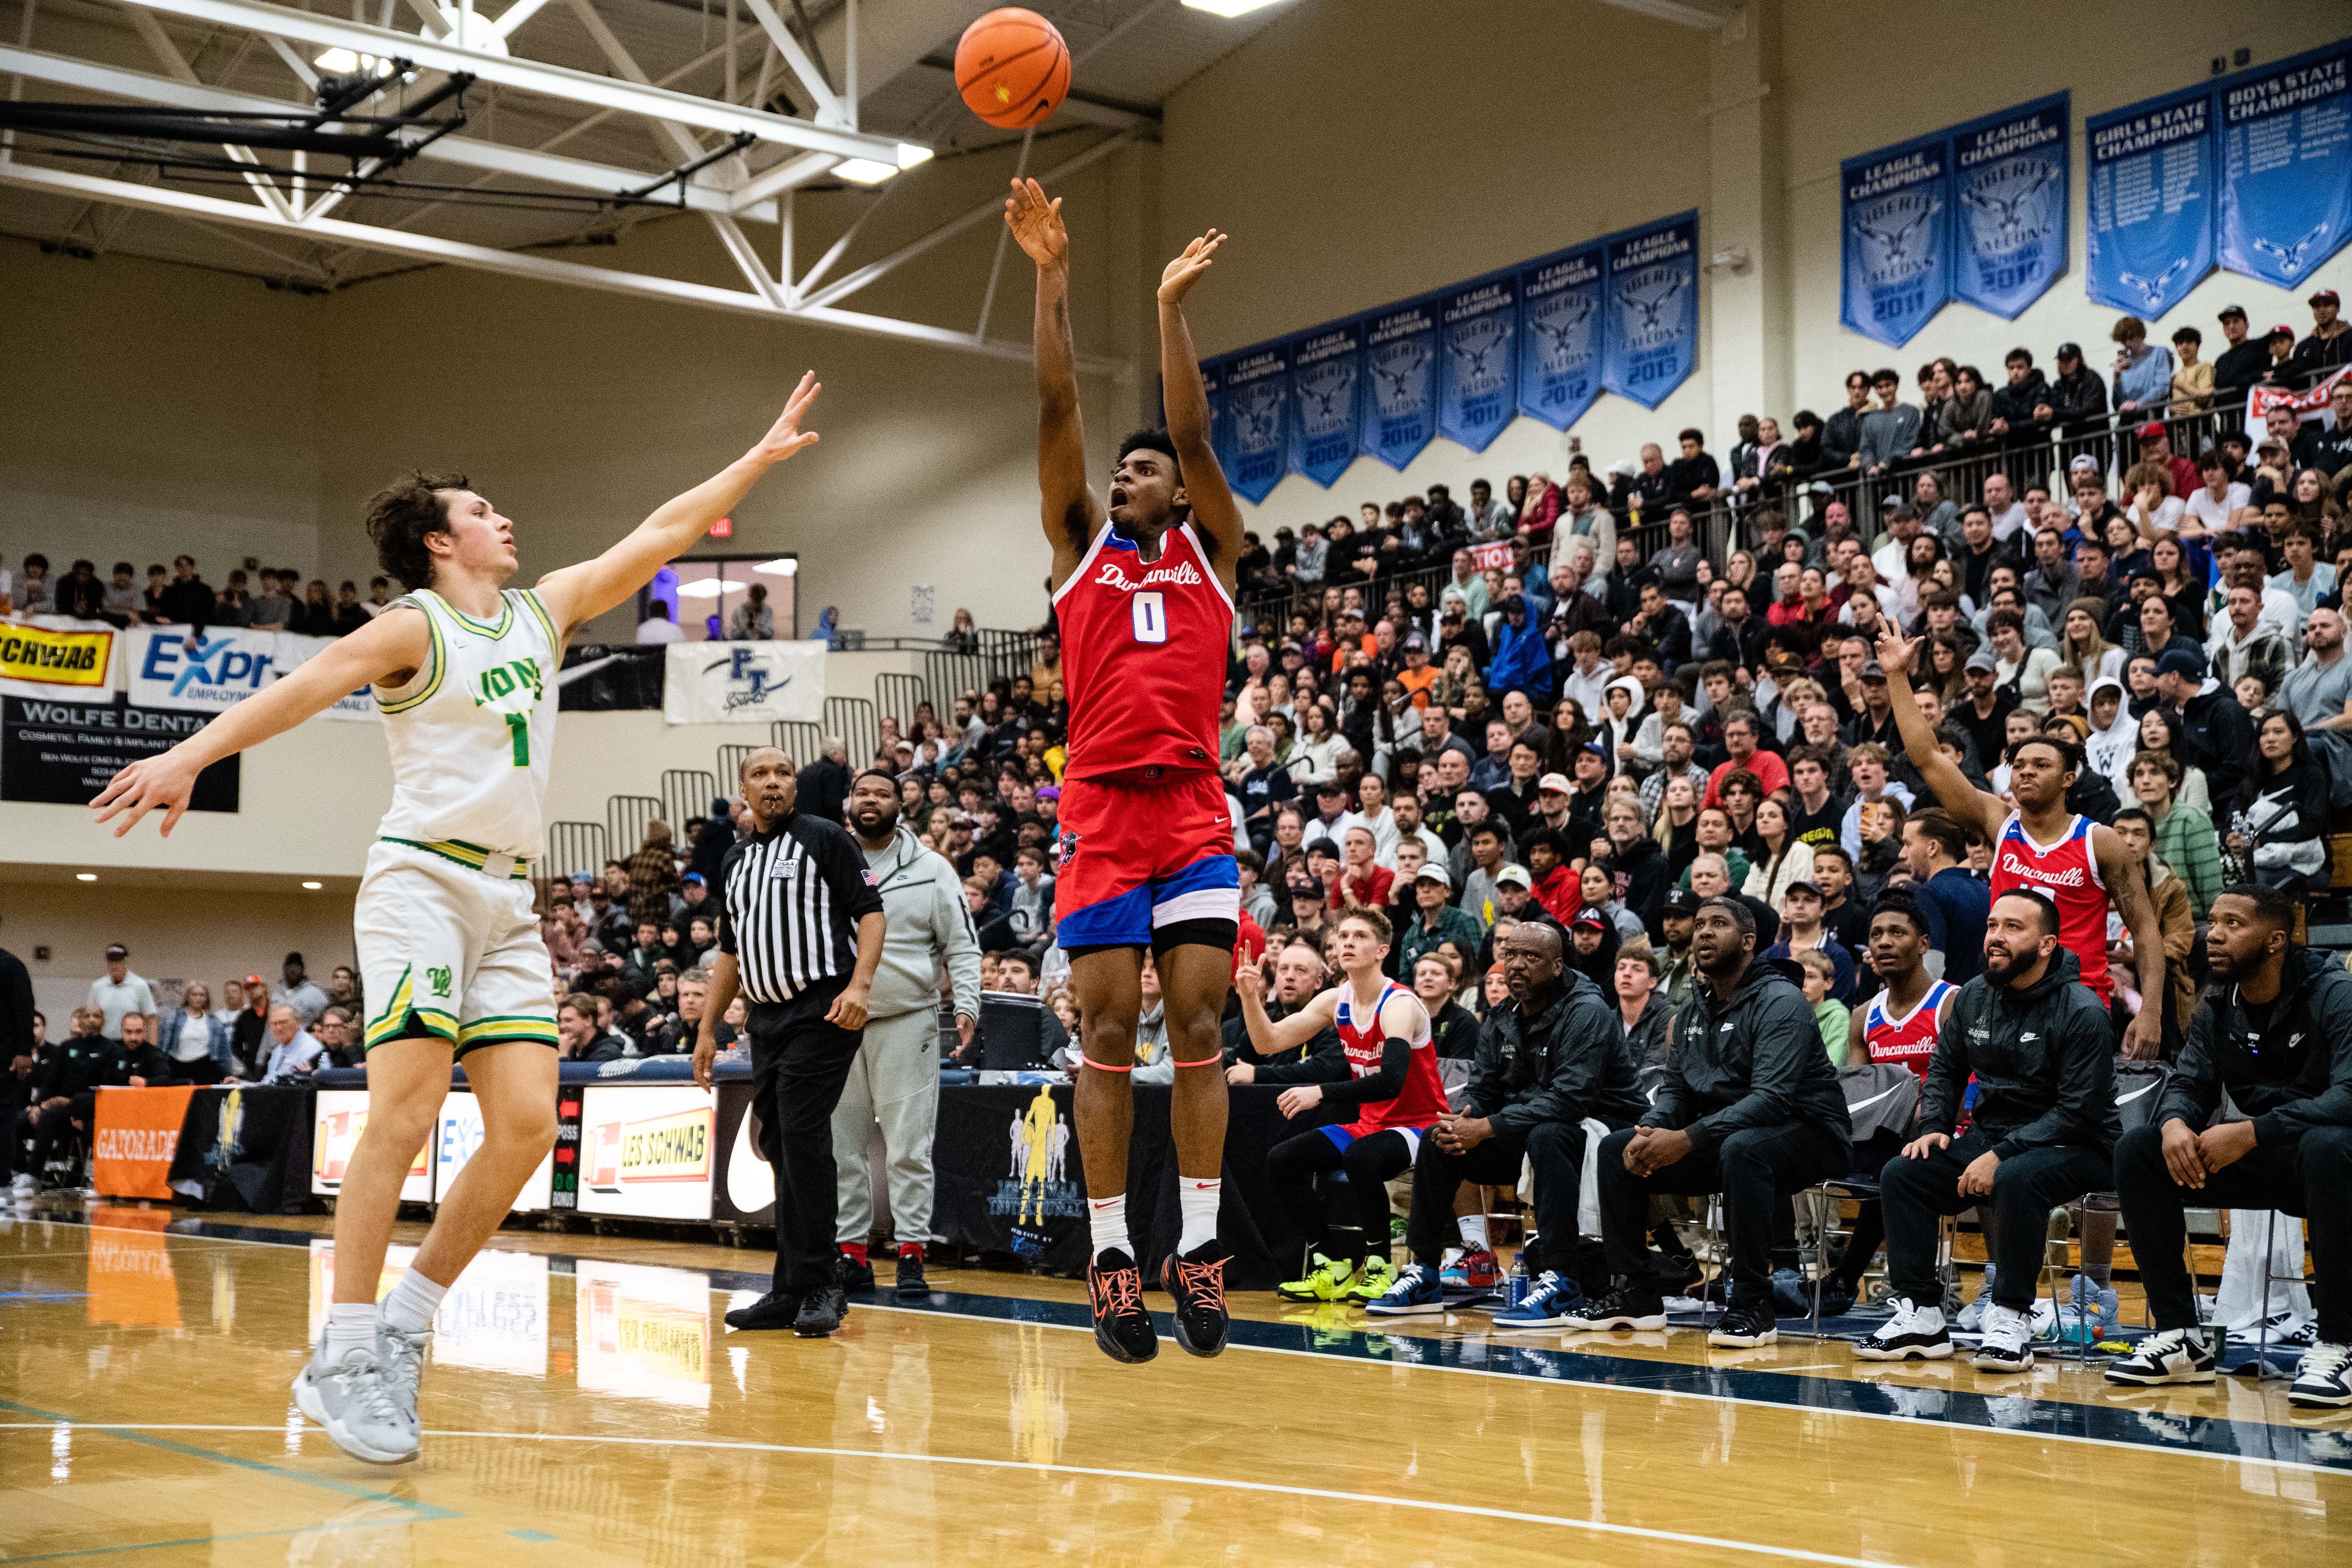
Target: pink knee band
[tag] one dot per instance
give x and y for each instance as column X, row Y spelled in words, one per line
column 1106, row 1067
column 1203, row 1062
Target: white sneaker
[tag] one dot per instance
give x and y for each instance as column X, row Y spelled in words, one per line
column 350, row 1400
column 401, row 1358
column 1914, row 1332
column 2323, row 1380
column 26, row 1185
column 2007, row 1343
column 2171, row 1355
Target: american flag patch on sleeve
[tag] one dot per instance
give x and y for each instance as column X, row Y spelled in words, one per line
column 871, row 880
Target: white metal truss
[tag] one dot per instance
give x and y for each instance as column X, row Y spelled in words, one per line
column 726, row 192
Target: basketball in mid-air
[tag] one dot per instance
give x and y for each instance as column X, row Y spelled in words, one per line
column 1012, row 68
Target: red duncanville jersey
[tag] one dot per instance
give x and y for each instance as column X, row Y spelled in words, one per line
column 1143, row 655
column 1908, row 1040
column 2069, row 874
column 1421, row 1100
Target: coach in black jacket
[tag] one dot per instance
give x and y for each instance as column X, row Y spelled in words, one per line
column 1750, row 1107
column 2043, row 1053
column 1547, row 1059
column 2275, row 1033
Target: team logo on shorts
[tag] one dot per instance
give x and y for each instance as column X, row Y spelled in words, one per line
column 439, row 979
column 1070, row 842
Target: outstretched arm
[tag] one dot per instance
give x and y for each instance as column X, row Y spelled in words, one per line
column 385, row 651
column 1188, row 411
column 1072, row 515
column 581, row 592
column 1268, row 1035
column 2128, row 882
column 1953, row 790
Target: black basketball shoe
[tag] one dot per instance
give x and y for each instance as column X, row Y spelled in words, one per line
column 1197, row 1280
column 1115, row 1290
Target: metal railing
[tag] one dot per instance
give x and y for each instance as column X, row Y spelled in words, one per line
column 686, row 793
column 854, row 720
column 897, row 697
column 798, row 740
column 576, row 848
column 730, row 766
column 626, row 816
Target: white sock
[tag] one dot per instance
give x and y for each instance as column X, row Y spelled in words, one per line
column 409, row 1305
column 351, row 1325
column 1196, row 1200
column 1107, row 1219
column 1473, row 1232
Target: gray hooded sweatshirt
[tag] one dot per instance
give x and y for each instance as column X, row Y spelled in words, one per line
column 922, row 899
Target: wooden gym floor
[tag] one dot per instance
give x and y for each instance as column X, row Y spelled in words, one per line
column 590, row 1407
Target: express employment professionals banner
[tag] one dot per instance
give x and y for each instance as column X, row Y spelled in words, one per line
column 1257, row 397
column 1559, row 336
column 744, row 682
column 1327, row 377
column 214, row 669
column 2287, row 165
column 1652, row 342
column 1401, row 349
column 1896, row 240
column 1477, row 376
column 2151, row 202
column 2009, row 179
column 63, row 753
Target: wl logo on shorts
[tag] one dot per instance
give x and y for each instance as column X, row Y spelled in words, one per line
column 439, row 979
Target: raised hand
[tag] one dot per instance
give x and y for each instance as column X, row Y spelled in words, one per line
column 1896, row 654
column 785, row 436
column 1177, row 279
column 1037, row 222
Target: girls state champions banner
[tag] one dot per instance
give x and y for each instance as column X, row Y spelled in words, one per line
column 1976, row 212
column 1541, row 340
column 2252, row 173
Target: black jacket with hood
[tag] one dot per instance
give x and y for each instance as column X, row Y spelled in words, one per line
column 1568, row 1062
column 2291, row 1077
column 2045, row 1060
column 1752, row 1059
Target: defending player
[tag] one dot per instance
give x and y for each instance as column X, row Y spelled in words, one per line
column 1144, row 598
column 464, row 672
column 1393, row 1085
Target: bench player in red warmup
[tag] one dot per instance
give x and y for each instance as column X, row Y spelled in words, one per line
column 1144, row 595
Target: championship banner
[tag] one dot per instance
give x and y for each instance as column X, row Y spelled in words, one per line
column 1896, row 239
column 2151, row 202
column 55, row 655
column 1326, row 382
column 227, row 665
column 1221, row 418
column 645, row 1151
column 1477, row 378
column 138, row 1134
column 1257, row 390
column 2286, row 166
column 63, row 753
column 744, row 682
column 2009, row 179
column 1400, row 351
column 1559, row 337
column 1651, row 343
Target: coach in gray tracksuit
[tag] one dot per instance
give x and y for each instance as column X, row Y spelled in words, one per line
column 895, row 1080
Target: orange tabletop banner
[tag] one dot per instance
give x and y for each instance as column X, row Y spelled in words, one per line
column 138, row 1134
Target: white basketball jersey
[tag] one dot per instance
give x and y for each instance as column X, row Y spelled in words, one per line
column 472, row 733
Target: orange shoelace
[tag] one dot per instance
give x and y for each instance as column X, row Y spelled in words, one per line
column 1119, row 1291
column 1204, row 1281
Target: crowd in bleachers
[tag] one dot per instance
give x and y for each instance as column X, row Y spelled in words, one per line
column 275, row 599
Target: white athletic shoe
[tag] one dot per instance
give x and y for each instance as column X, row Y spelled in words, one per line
column 350, row 1400
column 2323, row 1380
column 401, row 1358
column 2006, row 1345
column 1914, row 1333
column 26, row 1185
column 2166, row 1356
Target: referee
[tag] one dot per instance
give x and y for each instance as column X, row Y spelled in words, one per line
column 799, row 935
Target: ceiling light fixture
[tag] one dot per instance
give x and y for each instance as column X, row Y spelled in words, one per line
column 1227, row 8
column 85, row 875
column 871, row 172
column 314, row 887
column 708, row 588
column 783, row 566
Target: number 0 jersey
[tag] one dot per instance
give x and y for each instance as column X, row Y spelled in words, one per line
column 1144, row 649
column 473, row 732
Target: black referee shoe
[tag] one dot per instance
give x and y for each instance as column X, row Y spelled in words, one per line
column 913, row 1286
column 776, row 1309
column 1115, row 1290
column 852, row 1276
column 1197, row 1280
column 821, row 1312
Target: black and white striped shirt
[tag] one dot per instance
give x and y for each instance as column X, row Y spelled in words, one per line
column 789, row 906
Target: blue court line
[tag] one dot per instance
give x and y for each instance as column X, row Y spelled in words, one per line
column 2325, row 1447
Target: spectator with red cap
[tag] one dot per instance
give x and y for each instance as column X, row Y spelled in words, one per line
column 2330, row 343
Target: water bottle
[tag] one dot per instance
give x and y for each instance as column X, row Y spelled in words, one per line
column 1515, row 1287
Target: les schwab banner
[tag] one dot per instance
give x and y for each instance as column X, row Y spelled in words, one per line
column 138, row 1134
column 53, row 656
column 646, row 1151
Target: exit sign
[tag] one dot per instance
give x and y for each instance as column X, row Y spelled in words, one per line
column 723, row 528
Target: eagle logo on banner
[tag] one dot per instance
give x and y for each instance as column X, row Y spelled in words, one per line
column 1891, row 224
column 2290, row 256
column 2152, row 290
column 1477, row 346
column 1326, row 391
column 1648, row 295
column 1398, row 367
column 1257, row 416
column 2009, row 205
column 1557, row 321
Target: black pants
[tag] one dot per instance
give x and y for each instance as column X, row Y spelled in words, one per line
column 2025, row 1188
column 1556, row 1151
column 1369, row 1163
column 30, row 1146
column 799, row 1063
column 1754, row 1169
column 2311, row 1178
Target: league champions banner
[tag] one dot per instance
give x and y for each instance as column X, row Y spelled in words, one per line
column 2287, row 164
column 2010, row 182
column 1477, row 383
column 1221, row 418
column 1400, row 351
column 1327, row 379
column 2152, row 185
column 1652, row 343
column 1896, row 227
column 1257, row 398
column 1559, row 337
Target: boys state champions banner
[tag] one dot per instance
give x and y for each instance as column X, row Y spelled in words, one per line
column 2252, row 173
column 1542, row 340
column 1976, row 212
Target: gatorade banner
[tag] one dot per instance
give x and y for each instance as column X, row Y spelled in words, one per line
column 55, row 656
column 1477, row 389
column 1559, row 337
column 1651, row 344
column 1327, row 380
column 137, row 1135
column 1400, row 351
column 2151, row 202
column 1896, row 239
column 2009, row 179
column 1257, row 393
column 2286, row 166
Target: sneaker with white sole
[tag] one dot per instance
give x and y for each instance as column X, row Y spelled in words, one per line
column 1744, row 1326
column 1626, row 1307
column 1912, row 1334
column 2323, row 1380
column 2007, row 1345
column 350, row 1401
column 24, row 1185
column 400, row 1357
column 2169, row 1355
column 1415, row 1294
column 1551, row 1300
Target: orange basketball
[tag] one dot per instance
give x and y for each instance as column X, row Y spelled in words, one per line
column 1012, row 68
